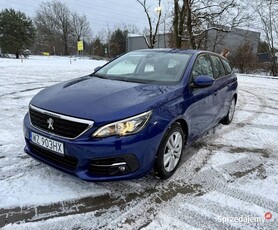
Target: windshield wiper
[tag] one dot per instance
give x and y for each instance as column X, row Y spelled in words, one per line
column 134, row 80
column 120, row 79
column 98, row 75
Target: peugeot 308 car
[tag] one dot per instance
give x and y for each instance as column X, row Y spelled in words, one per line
column 132, row 116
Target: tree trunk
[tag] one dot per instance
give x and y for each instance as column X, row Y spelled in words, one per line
column 17, row 55
column 189, row 25
column 274, row 67
column 178, row 23
column 66, row 45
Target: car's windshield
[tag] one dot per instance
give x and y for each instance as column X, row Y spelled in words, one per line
column 146, row 67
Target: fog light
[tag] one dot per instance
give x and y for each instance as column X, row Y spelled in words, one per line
column 122, row 168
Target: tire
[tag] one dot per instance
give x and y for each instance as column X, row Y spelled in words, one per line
column 170, row 152
column 230, row 115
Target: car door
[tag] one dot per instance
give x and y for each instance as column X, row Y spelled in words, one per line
column 231, row 84
column 203, row 109
column 220, row 85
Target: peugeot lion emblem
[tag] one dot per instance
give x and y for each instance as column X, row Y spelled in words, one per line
column 50, row 123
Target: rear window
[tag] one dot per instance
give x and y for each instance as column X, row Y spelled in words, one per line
column 218, row 67
column 227, row 66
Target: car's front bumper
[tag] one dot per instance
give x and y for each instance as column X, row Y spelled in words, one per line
column 111, row 158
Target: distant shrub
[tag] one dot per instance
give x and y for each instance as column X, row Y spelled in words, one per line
column 244, row 59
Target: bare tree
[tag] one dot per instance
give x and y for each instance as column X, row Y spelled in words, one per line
column 193, row 18
column 131, row 28
column 53, row 20
column 153, row 29
column 217, row 40
column 267, row 11
column 166, row 22
column 178, row 22
column 81, row 27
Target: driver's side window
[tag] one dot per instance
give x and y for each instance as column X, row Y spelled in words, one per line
column 202, row 66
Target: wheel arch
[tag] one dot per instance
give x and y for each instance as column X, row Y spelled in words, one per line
column 235, row 96
column 158, row 165
column 184, row 126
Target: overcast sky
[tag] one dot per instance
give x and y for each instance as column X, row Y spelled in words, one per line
column 100, row 13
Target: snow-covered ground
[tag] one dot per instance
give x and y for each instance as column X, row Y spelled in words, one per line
column 225, row 181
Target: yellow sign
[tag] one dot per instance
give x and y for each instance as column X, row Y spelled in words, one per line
column 80, row 46
column 45, row 53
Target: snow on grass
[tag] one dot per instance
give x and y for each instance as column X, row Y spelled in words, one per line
column 24, row 181
column 266, row 187
column 250, row 137
column 220, row 158
column 44, row 185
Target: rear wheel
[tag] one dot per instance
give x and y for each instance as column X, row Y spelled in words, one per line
column 169, row 152
column 229, row 117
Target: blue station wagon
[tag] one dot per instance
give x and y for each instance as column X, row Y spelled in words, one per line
column 132, row 116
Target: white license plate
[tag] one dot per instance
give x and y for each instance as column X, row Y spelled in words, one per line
column 47, row 143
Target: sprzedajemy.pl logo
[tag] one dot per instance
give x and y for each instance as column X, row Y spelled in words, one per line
column 245, row 219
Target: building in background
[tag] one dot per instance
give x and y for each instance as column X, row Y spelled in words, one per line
column 136, row 42
column 217, row 40
column 214, row 40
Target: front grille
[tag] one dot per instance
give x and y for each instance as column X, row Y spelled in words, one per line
column 61, row 125
column 66, row 162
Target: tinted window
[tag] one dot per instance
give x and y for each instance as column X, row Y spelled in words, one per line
column 149, row 67
column 124, row 66
column 227, row 66
column 218, row 67
column 146, row 66
column 202, row 66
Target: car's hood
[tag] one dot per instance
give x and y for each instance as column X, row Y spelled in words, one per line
column 101, row 100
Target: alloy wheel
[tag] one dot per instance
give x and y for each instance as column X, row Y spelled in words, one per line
column 172, row 152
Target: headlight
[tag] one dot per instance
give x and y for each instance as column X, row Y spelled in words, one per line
column 124, row 127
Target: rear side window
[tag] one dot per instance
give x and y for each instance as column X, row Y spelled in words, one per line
column 218, row 67
column 227, row 66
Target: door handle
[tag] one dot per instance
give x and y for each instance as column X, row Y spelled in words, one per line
column 215, row 92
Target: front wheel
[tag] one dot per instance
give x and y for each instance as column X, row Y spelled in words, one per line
column 169, row 152
column 229, row 117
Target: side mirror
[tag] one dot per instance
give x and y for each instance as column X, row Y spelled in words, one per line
column 97, row 68
column 203, row 81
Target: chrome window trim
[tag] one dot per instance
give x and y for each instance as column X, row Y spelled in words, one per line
column 110, row 165
column 64, row 117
